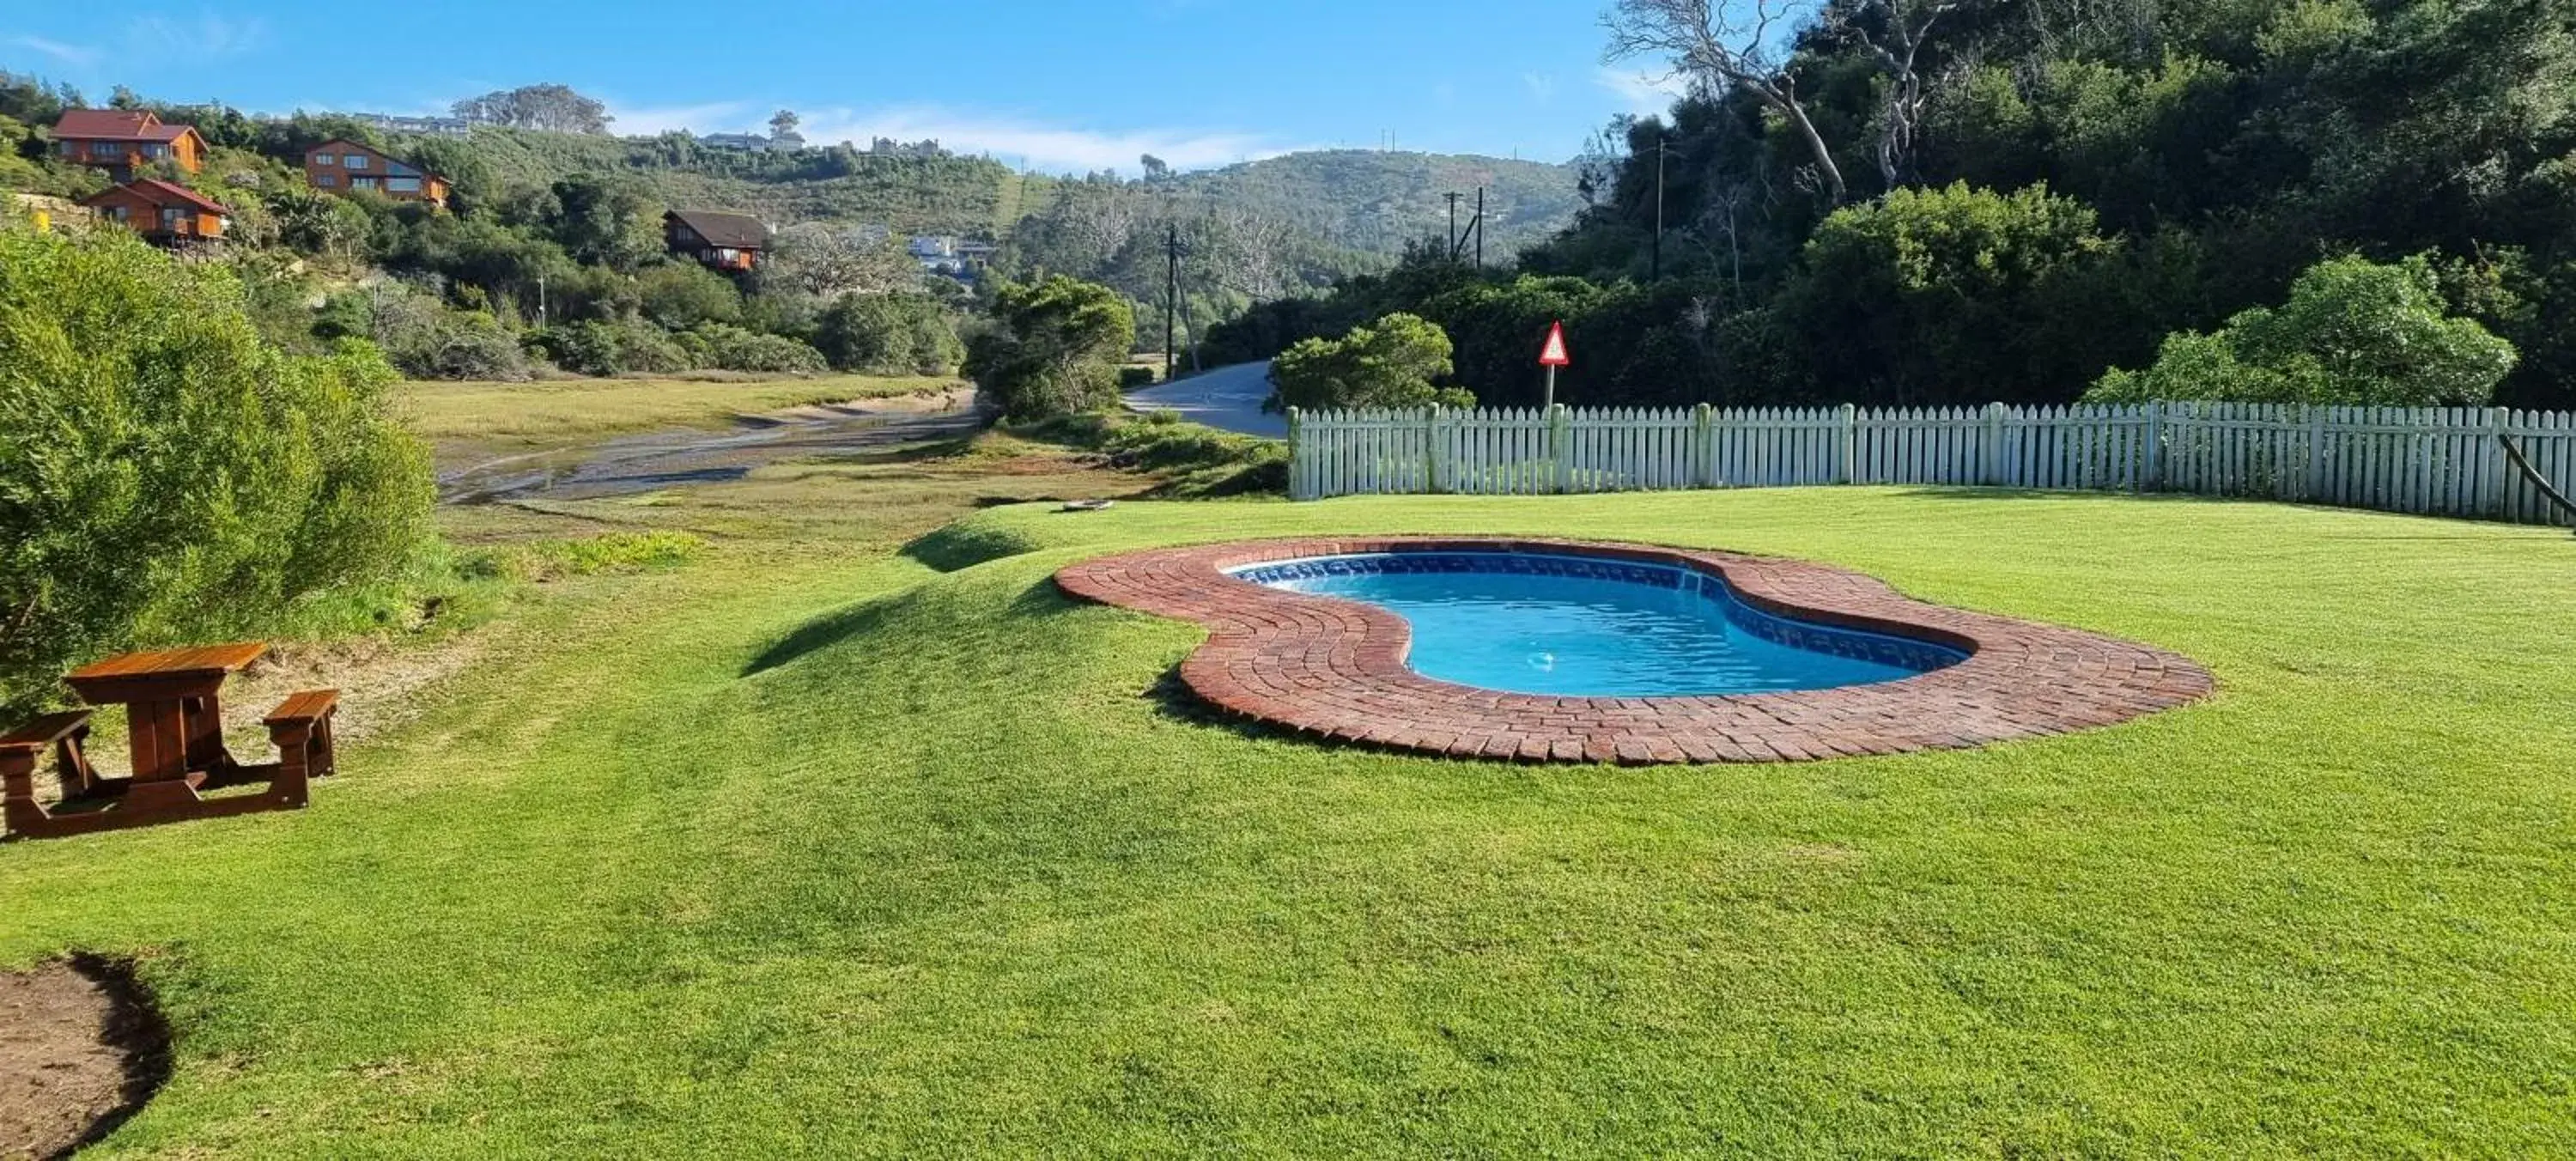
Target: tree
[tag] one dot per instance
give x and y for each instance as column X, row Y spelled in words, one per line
column 1952, row 295
column 889, row 334
column 2354, row 333
column 1722, row 45
column 554, row 108
column 1391, row 364
column 681, row 295
column 783, row 123
column 165, row 474
column 1155, row 168
column 1894, row 32
column 829, row 261
column 1055, row 349
column 613, row 222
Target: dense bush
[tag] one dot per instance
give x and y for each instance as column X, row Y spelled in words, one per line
column 1953, row 295
column 166, row 475
column 889, row 334
column 1055, row 348
column 682, row 295
column 716, row 346
column 2354, row 332
column 615, row 347
column 1394, row 363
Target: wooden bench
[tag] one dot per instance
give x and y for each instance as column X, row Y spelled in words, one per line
column 300, row 726
column 19, row 751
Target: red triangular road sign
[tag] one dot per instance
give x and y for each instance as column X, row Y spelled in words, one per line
column 1553, row 355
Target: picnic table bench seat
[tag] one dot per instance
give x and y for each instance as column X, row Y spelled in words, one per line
column 21, row 748
column 300, row 727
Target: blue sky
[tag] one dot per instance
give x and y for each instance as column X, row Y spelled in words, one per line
column 1065, row 85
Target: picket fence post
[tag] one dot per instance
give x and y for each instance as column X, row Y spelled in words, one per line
column 1560, row 447
column 1994, row 454
column 1844, row 469
column 2155, row 481
column 1703, row 456
column 2499, row 478
column 1299, row 456
column 1431, row 450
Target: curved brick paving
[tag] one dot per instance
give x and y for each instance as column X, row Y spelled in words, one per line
column 1335, row 668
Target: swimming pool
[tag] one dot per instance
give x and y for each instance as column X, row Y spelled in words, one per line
column 1588, row 626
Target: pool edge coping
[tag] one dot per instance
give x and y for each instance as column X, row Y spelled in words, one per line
column 1335, row 669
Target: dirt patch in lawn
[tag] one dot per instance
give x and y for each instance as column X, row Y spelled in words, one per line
column 81, row 1048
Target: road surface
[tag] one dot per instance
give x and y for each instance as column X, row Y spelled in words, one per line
column 1227, row 397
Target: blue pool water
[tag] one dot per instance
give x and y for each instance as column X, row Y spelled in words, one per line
column 1576, row 626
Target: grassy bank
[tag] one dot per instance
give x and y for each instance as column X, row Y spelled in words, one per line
column 574, row 408
column 838, row 853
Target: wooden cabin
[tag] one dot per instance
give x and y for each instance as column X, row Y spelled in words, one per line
column 125, row 142
column 343, row 167
column 723, row 241
column 165, row 213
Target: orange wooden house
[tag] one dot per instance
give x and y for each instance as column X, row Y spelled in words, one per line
column 125, row 141
column 164, row 213
column 339, row 166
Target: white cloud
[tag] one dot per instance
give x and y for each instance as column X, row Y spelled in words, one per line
column 1640, row 92
column 71, row 54
column 1056, row 148
column 1542, row 87
column 208, row 35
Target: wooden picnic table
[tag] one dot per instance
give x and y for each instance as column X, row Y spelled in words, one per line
column 175, row 720
column 174, row 713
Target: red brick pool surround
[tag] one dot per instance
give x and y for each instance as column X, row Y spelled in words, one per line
column 1336, row 669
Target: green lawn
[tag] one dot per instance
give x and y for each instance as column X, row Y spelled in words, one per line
column 801, row 853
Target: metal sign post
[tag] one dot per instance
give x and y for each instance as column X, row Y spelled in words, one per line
column 1552, row 357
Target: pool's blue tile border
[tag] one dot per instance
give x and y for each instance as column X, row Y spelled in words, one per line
column 1901, row 652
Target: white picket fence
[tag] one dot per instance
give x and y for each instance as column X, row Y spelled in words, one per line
column 2431, row 461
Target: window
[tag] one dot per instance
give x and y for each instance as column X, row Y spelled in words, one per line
column 727, row 254
column 103, row 149
column 402, row 185
column 170, row 217
column 326, row 180
column 326, row 159
column 156, row 151
column 117, row 213
column 365, row 183
column 357, row 161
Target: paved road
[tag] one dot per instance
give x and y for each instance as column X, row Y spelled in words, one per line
column 1227, row 397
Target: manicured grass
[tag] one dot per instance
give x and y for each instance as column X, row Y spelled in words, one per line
column 556, row 409
column 809, row 853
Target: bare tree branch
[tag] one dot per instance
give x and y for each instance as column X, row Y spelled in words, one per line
column 1719, row 45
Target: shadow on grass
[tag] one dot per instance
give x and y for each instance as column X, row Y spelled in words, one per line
column 1961, row 492
column 824, row 632
column 1042, row 599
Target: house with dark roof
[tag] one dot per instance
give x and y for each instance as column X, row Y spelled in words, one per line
column 124, row 141
column 345, row 167
column 165, row 213
column 720, row 240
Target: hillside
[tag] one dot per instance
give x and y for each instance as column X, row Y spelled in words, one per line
column 1363, row 201
column 1375, row 202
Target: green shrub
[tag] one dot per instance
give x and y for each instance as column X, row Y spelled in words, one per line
column 2354, row 332
column 1391, row 364
column 1949, row 295
column 1055, row 349
column 683, row 295
column 730, row 348
column 618, row 347
column 165, row 474
column 889, row 334
column 1133, row 378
